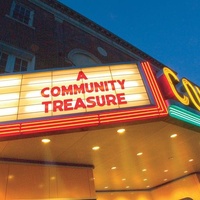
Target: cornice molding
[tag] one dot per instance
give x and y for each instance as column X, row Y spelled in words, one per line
column 64, row 13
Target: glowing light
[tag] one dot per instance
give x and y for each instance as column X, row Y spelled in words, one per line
column 46, row 140
column 43, row 80
column 133, row 97
column 191, row 160
column 8, row 111
column 10, row 82
column 53, row 178
column 114, row 168
column 160, row 110
column 33, row 94
column 157, row 109
column 184, row 115
column 155, row 88
column 172, row 75
column 95, row 148
column 120, row 131
column 139, row 154
column 34, row 108
column 27, row 89
column 173, row 136
column 192, row 92
column 121, row 73
column 10, row 177
column 10, row 96
column 131, row 84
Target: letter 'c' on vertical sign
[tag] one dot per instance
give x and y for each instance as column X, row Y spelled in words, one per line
column 192, row 92
column 169, row 74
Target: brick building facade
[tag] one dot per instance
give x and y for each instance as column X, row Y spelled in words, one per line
column 54, row 36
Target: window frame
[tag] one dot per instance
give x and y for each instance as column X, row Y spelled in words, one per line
column 2, row 66
column 31, row 15
column 14, row 53
column 70, row 57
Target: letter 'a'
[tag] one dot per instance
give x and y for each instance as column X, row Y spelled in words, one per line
column 81, row 75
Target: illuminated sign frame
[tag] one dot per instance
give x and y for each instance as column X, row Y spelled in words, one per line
column 66, row 122
column 176, row 110
column 183, row 97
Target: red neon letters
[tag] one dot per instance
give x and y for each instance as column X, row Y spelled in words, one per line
column 182, row 90
column 89, row 102
column 74, row 103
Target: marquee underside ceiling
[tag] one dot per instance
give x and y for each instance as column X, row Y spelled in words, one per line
column 163, row 158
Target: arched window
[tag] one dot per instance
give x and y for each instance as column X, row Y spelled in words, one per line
column 81, row 57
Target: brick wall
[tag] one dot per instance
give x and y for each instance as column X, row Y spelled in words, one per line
column 51, row 41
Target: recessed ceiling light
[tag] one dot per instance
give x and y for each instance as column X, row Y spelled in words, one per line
column 53, row 178
column 121, row 130
column 106, row 187
column 185, row 172
column 10, row 176
column 166, row 170
column 173, row 136
column 145, row 179
column 123, row 179
column 144, row 170
column 114, row 168
column 46, row 140
column 127, row 186
column 139, row 154
column 95, row 148
column 191, row 160
column 148, row 186
column 165, row 179
column 40, row 186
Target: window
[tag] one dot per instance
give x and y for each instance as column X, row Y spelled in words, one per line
column 3, row 61
column 11, row 63
column 15, row 60
column 21, row 13
column 81, row 57
column 20, row 65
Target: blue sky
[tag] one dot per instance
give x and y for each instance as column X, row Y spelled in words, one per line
column 168, row 30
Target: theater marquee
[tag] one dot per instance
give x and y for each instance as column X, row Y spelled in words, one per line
column 78, row 97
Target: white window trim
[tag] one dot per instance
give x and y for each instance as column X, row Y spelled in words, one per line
column 30, row 23
column 83, row 52
column 14, row 52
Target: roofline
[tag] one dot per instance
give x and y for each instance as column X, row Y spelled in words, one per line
column 102, row 31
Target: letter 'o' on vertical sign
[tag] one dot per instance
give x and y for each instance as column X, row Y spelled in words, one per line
column 192, row 92
column 172, row 78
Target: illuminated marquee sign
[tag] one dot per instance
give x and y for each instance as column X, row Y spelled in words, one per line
column 53, row 93
column 73, row 98
column 183, row 95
